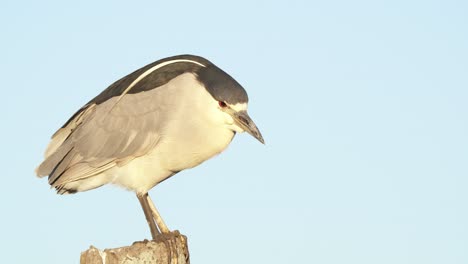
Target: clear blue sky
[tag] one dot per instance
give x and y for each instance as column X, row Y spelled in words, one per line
column 363, row 106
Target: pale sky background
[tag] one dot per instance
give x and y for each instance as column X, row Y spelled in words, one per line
column 363, row 106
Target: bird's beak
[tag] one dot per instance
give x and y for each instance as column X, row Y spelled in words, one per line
column 244, row 121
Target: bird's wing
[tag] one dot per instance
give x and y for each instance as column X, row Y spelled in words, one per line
column 101, row 136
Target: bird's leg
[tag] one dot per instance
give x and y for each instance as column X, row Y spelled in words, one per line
column 143, row 198
column 159, row 221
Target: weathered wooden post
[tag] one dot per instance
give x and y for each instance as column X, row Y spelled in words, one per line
column 168, row 248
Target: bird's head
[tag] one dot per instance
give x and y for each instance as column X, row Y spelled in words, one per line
column 230, row 100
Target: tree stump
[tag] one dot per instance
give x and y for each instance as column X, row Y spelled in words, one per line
column 168, row 248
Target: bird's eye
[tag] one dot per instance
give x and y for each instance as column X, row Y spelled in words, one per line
column 222, row 104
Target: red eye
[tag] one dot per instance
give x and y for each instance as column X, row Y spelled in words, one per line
column 222, row 104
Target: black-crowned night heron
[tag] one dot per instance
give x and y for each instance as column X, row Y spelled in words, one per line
column 168, row 116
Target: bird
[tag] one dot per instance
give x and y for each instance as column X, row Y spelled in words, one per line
column 168, row 116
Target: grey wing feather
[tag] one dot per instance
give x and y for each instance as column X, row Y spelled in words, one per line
column 101, row 137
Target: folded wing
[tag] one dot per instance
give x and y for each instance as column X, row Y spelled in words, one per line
column 101, row 136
